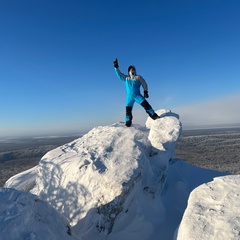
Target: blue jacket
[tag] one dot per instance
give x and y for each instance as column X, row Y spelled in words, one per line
column 132, row 83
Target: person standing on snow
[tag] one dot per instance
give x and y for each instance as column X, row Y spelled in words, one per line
column 133, row 82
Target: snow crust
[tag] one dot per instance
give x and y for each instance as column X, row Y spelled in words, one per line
column 122, row 183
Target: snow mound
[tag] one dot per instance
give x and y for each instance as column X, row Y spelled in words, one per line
column 25, row 216
column 213, row 211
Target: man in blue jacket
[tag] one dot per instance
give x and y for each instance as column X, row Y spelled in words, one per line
column 133, row 82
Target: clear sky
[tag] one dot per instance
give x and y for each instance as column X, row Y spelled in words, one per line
column 56, row 57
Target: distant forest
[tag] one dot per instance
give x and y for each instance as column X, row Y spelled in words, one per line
column 217, row 149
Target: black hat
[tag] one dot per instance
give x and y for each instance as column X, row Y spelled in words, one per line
column 131, row 67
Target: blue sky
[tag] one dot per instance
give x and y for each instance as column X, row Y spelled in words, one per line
column 56, row 59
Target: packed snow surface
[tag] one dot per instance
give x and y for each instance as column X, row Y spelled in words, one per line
column 122, row 183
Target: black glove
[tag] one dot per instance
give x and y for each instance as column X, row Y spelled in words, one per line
column 146, row 94
column 115, row 63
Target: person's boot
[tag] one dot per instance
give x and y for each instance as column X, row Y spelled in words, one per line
column 154, row 116
column 128, row 123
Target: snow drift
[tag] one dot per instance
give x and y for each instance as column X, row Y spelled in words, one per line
column 117, row 182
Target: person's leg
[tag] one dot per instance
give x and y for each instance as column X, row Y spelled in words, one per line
column 149, row 109
column 129, row 116
column 129, row 107
column 142, row 101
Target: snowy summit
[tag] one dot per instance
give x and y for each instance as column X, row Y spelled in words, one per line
column 121, row 183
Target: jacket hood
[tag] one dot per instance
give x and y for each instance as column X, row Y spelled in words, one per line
column 131, row 66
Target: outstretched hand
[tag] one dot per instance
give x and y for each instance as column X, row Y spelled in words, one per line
column 115, row 63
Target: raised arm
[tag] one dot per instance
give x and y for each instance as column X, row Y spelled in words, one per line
column 121, row 75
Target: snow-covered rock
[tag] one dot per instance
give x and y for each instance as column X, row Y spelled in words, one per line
column 213, row 211
column 101, row 173
column 164, row 132
column 92, row 171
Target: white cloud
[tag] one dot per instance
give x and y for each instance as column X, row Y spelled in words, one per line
column 222, row 112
